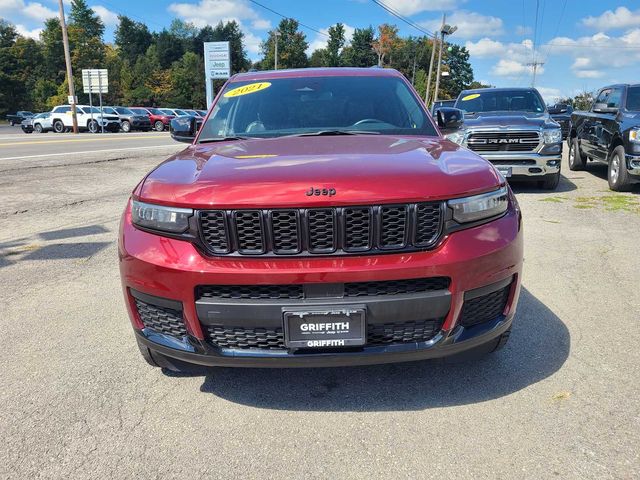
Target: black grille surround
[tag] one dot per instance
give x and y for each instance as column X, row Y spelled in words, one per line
column 273, row 338
column 322, row 231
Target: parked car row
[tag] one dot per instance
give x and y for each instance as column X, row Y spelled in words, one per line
column 90, row 118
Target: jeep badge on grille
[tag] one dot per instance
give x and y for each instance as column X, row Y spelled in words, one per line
column 329, row 192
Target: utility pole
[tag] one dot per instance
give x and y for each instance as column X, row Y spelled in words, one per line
column 534, row 65
column 277, row 34
column 435, row 94
column 67, row 59
column 433, row 56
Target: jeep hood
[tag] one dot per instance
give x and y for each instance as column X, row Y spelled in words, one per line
column 277, row 172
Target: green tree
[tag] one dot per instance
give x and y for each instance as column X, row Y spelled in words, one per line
column 360, row 53
column 86, row 19
column 187, row 82
column 9, row 85
column 53, row 51
column 169, row 47
column 420, row 82
column 131, row 38
column 456, row 61
column 292, row 46
column 317, row 58
column 476, row 84
column 334, row 45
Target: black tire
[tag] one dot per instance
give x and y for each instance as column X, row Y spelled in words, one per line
column 502, row 341
column 158, row 126
column 58, row 126
column 38, row 128
column 93, row 126
column 577, row 161
column 550, row 181
column 11, row 123
column 617, row 174
column 126, row 126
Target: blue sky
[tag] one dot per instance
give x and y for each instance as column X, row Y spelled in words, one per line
column 583, row 44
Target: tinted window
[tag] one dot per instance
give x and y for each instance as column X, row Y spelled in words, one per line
column 633, row 99
column 500, row 101
column 615, row 98
column 289, row 106
column 124, row 111
column 156, row 111
column 139, row 111
column 64, row 109
column 166, row 111
column 108, row 110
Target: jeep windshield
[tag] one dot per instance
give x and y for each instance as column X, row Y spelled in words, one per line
column 316, row 105
column 500, row 101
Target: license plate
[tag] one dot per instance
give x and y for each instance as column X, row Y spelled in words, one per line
column 325, row 328
column 504, row 171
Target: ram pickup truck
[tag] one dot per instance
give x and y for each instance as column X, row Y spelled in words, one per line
column 19, row 117
column 511, row 128
column 609, row 133
column 319, row 218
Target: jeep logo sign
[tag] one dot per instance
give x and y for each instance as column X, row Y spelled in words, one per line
column 316, row 192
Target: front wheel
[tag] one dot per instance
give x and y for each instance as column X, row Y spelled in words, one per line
column 11, row 123
column 38, row 128
column 126, row 126
column 58, row 126
column 577, row 161
column 92, row 126
column 618, row 176
column 550, row 182
column 158, row 126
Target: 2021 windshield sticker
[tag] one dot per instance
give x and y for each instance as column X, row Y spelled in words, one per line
column 470, row 97
column 247, row 89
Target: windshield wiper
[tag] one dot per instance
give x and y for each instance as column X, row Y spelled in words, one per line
column 223, row 139
column 334, row 133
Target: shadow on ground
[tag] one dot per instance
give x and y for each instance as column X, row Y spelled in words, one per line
column 73, row 232
column 601, row 171
column 565, row 185
column 537, row 349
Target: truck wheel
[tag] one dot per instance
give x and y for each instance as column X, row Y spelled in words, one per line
column 58, row 126
column 92, row 126
column 38, row 128
column 618, row 175
column 158, row 126
column 577, row 160
column 550, row 182
column 11, row 123
column 126, row 126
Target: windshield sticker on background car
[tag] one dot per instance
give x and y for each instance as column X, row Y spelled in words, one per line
column 247, row 89
column 470, row 97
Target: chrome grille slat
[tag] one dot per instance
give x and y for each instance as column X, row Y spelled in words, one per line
column 321, row 231
column 503, row 141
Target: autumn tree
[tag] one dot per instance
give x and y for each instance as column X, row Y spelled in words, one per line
column 386, row 41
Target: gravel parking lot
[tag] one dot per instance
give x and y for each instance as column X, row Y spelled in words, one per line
column 560, row 401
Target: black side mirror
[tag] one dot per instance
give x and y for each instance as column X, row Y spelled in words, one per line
column 603, row 108
column 185, row 128
column 449, row 119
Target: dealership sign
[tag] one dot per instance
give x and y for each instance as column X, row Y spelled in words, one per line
column 217, row 60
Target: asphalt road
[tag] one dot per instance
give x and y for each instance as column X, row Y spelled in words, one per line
column 16, row 145
column 560, row 401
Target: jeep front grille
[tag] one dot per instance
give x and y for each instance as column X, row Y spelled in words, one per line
column 322, row 231
column 507, row 141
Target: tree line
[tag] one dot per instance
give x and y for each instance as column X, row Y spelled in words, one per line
column 166, row 68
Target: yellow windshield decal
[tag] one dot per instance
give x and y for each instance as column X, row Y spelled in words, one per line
column 470, row 97
column 247, row 89
column 264, row 155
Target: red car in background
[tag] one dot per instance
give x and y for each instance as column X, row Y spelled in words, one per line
column 159, row 119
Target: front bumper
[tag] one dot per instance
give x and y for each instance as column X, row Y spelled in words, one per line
column 633, row 166
column 526, row 164
column 480, row 258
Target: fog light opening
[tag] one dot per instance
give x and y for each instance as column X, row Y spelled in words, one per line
column 535, row 170
column 553, row 163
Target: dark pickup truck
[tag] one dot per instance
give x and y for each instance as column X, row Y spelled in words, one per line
column 609, row 133
column 19, row 117
column 561, row 113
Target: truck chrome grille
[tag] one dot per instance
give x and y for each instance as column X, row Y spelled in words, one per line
column 322, row 231
column 507, row 141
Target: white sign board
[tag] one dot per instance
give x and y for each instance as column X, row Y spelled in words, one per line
column 72, row 99
column 95, row 80
column 217, row 65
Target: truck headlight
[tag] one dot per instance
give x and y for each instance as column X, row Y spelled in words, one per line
column 479, row 207
column 159, row 217
column 552, row 136
column 456, row 137
column 634, row 135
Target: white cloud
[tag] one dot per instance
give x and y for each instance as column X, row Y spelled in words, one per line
column 320, row 41
column 470, row 24
column 589, row 74
column 411, row 7
column 485, row 47
column 107, row 16
column 622, row 17
column 261, row 24
column 550, row 94
column 31, row 10
column 512, row 57
column 25, row 32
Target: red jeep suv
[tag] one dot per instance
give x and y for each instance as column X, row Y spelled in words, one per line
column 319, row 218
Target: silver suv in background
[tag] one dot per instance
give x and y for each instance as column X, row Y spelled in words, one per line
column 511, row 128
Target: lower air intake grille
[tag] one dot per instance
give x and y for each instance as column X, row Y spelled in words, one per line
column 395, row 287
column 408, row 332
column 484, row 308
column 161, row 319
column 250, row 292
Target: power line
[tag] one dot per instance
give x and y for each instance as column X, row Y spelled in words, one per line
column 285, row 17
column 404, row 19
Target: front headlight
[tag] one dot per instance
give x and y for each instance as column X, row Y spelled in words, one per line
column 552, row 136
column 634, row 135
column 456, row 137
column 479, row 207
column 158, row 217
